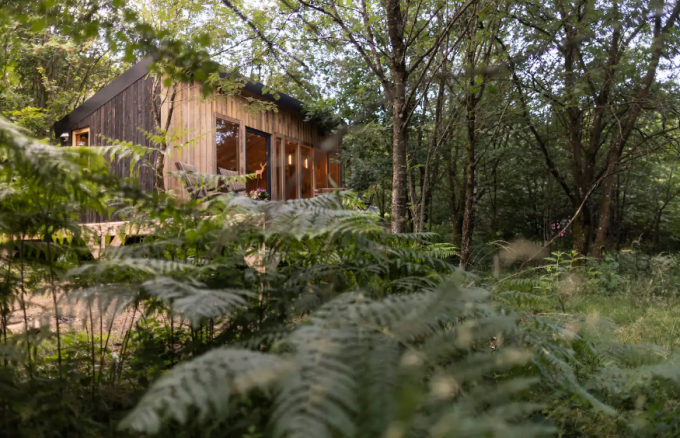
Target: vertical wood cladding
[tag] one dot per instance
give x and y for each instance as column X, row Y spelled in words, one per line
column 130, row 113
column 125, row 117
column 194, row 117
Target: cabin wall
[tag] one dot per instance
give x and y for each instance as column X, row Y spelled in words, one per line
column 125, row 117
column 194, row 118
column 129, row 114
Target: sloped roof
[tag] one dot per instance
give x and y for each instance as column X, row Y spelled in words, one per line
column 132, row 75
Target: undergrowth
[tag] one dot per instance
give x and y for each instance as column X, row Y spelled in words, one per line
column 306, row 319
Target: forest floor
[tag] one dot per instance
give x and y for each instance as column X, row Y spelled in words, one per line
column 637, row 319
column 72, row 317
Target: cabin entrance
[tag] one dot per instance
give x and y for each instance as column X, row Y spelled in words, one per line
column 257, row 160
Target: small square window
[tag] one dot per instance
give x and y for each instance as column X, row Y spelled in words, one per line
column 81, row 137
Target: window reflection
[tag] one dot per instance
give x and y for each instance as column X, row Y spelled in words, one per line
column 321, row 169
column 81, row 137
column 334, row 168
column 290, row 165
column 226, row 141
column 256, row 161
column 307, row 169
column 279, row 174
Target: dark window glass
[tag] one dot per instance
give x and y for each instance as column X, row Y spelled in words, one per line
column 334, row 168
column 278, row 159
column 291, row 165
column 307, row 169
column 256, row 161
column 321, row 168
column 226, row 140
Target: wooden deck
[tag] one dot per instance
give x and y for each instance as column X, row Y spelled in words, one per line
column 105, row 234
column 99, row 236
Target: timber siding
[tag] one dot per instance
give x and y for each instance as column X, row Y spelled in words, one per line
column 123, row 111
column 194, row 117
column 125, row 117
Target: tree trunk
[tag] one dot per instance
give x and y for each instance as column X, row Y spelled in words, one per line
column 397, row 96
column 382, row 201
column 413, row 211
column 399, row 180
column 628, row 126
column 469, row 211
column 454, row 201
column 581, row 230
column 472, row 98
column 162, row 128
column 426, row 190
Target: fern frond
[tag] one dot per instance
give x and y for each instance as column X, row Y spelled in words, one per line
column 440, row 250
column 108, row 298
column 148, row 266
column 667, row 371
column 315, row 403
column 520, row 299
column 206, row 384
column 193, row 301
column 137, row 156
column 520, row 282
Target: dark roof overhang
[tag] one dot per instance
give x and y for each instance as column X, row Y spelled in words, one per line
column 283, row 100
column 132, row 75
column 102, row 96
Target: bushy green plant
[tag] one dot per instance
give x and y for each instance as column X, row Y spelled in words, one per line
column 604, row 276
column 302, row 318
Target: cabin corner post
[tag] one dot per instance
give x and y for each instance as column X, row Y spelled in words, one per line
column 242, row 148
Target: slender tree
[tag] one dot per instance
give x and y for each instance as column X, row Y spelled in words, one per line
column 399, row 42
column 593, row 51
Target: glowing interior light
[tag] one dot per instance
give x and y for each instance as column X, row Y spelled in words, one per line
column 290, row 159
column 306, row 163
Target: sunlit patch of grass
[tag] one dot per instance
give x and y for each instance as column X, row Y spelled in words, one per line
column 639, row 320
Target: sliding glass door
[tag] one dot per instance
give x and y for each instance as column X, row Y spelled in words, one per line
column 307, row 171
column 290, row 166
column 334, row 168
column 321, row 169
column 278, row 161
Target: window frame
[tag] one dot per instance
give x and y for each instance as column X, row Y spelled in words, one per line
column 282, row 161
column 239, row 147
column 324, row 156
column 337, row 159
column 312, row 167
column 79, row 131
column 268, row 145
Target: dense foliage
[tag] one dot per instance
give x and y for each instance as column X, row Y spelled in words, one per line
column 516, row 278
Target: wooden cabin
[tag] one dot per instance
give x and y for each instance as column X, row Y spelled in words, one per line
column 290, row 156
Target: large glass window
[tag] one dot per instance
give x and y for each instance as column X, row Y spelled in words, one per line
column 321, row 169
column 334, row 168
column 277, row 158
column 226, row 141
column 291, row 165
column 256, row 160
column 307, row 171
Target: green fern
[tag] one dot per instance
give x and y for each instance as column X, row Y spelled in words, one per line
column 194, row 301
column 206, row 384
column 335, row 373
